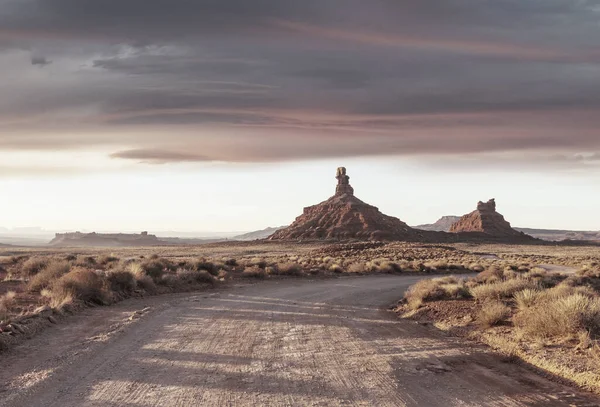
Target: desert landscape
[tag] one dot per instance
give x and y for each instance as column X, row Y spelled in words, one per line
column 345, row 306
column 314, row 203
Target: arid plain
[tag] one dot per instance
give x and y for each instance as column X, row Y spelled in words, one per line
column 288, row 323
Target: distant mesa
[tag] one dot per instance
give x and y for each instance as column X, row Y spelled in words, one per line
column 486, row 220
column 345, row 217
column 442, row 225
column 258, row 234
column 105, row 239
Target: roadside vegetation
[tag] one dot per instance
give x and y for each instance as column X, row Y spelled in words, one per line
column 550, row 320
column 62, row 279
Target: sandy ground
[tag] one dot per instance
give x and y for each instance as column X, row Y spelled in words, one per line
column 277, row 343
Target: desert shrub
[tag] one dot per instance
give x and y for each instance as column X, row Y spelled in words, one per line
column 492, row 313
column 195, row 276
column 6, row 302
column 389, row 267
column 203, row 264
column 70, row 257
column 107, row 259
column 121, row 281
column 527, row 297
column 142, row 280
column 287, row 269
column 231, row 262
column 169, row 280
column 336, row 268
column 437, row 265
column 33, row 266
column 258, row 262
column 85, row 261
column 358, row 267
column 562, row 316
column 490, row 275
column 52, row 272
column 502, row 289
column 436, row 289
column 254, row 272
column 156, row 267
column 79, row 284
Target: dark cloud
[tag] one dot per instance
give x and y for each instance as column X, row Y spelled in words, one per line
column 39, row 60
column 321, row 78
column 155, row 156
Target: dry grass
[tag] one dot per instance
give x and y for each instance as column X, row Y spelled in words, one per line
column 121, row 281
column 445, row 288
column 80, row 284
column 45, row 277
column 196, row 277
column 285, row 269
column 33, row 266
column 6, row 302
column 561, row 316
column 254, row 272
column 492, row 313
column 503, row 289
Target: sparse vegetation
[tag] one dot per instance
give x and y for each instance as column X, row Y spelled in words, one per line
column 522, row 312
column 50, row 273
column 492, row 313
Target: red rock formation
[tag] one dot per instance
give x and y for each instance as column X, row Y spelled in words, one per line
column 486, row 220
column 343, row 216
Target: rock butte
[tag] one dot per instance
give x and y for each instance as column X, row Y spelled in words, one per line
column 343, row 216
column 105, row 239
column 486, row 220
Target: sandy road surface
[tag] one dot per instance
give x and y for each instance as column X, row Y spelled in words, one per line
column 277, row 343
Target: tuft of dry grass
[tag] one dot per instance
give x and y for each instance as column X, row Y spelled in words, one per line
column 195, row 277
column 527, row 298
column 444, row 288
column 6, row 302
column 50, row 273
column 560, row 316
column 254, row 272
column 156, row 267
column 80, row 284
column 286, row 269
column 492, row 313
column 121, row 281
column 33, row 266
column 503, row 289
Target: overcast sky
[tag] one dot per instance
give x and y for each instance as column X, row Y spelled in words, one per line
column 233, row 114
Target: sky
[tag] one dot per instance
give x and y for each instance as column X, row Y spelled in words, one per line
column 232, row 115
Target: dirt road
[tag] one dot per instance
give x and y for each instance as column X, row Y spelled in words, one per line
column 277, row 343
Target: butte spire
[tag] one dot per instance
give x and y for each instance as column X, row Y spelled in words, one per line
column 345, row 217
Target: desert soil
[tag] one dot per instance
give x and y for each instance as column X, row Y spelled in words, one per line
column 276, row 343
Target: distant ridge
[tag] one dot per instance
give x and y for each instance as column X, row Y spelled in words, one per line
column 258, row 234
column 105, row 239
column 442, row 225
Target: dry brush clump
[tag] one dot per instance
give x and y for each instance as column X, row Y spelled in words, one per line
column 540, row 304
column 444, row 288
column 492, row 313
column 53, row 270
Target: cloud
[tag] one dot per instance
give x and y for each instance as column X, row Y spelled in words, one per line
column 283, row 80
column 39, row 60
column 156, row 156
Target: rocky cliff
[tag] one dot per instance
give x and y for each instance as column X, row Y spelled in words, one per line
column 486, row 220
column 344, row 217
